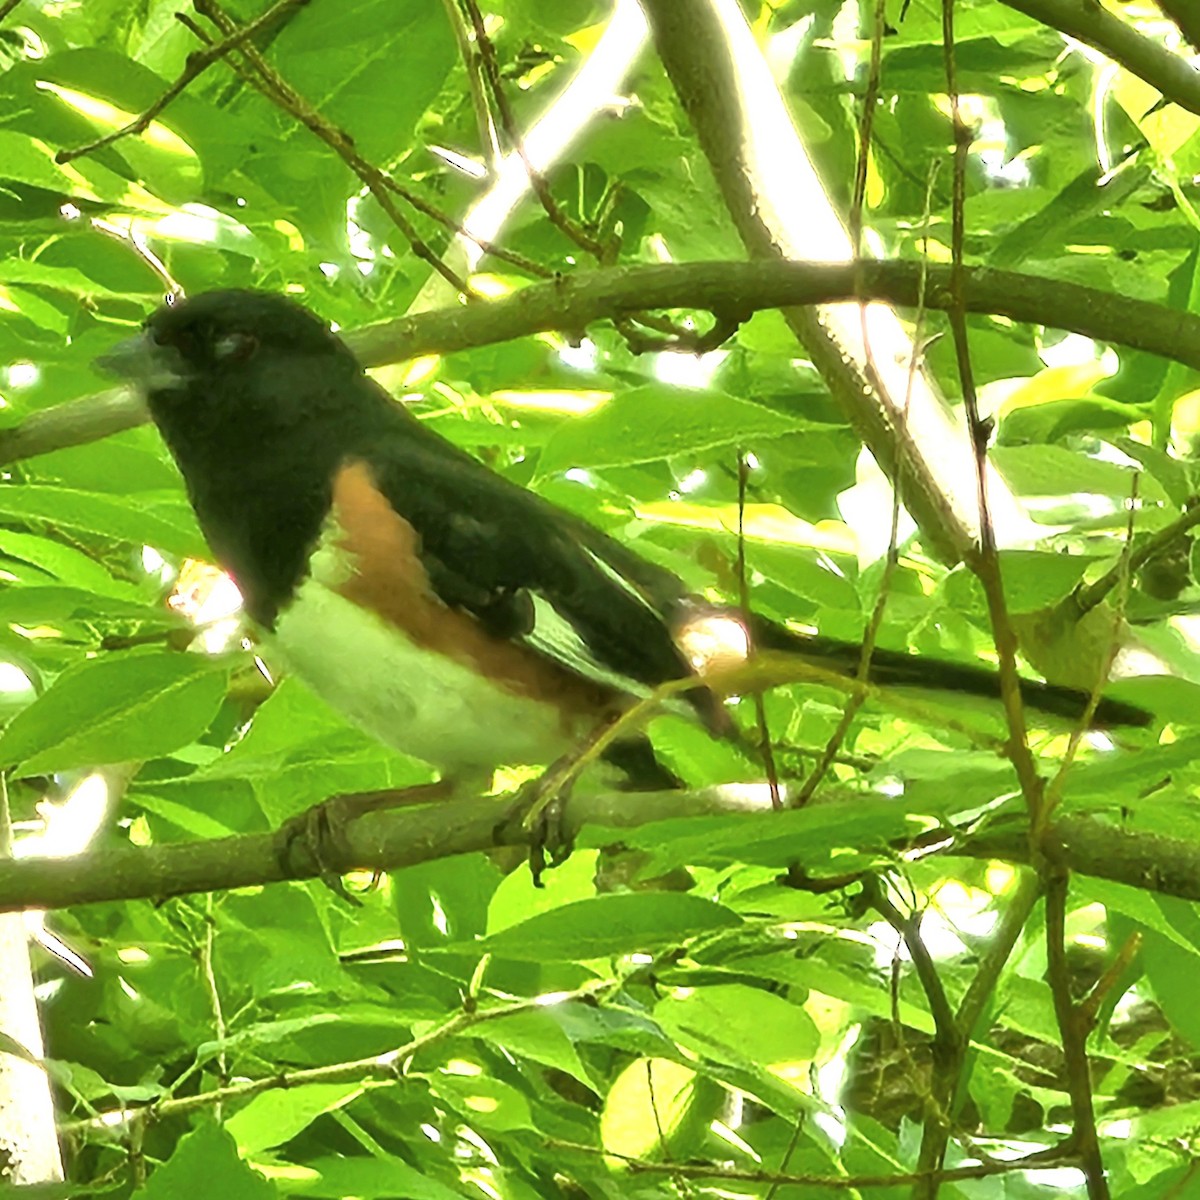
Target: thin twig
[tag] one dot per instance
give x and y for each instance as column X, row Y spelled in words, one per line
column 951, row 1075
column 1041, row 1160
column 388, row 1065
column 483, row 115
column 660, row 1133
column 7, row 6
column 1058, row 783
column 860, row 762
column 340, row 142
column 866, row 127
column 537, row 181
column 909, row 928
column 760, row 703
column 892, row 558
column 1132, row 560
column 334, row 137
column 984, row 561
column 1089, row 1008
column 793, row 1142
column 209, row 975
column 197, row 63
column 129, row 237
column 1073, row 1031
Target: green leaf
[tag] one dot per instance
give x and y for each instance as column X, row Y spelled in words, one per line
column 109, row 516
column 656, row 421
column 745, row 1022
column 31, row 161
column 537, row 1036
column 124, row 708
column 1057, row 471
column 815, row 836
column 380, row 1177
column 657, row 1108
column 206, row 1163
column 278, row 1115
column 343, row 60
column 66, row 563
column 604, row 925
column 490, row 1103
column 1035, row 580
column 65, row 279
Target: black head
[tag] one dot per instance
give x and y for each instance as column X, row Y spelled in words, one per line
column 218, row 334
column 258, row 401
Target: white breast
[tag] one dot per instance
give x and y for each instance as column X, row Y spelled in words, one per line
column 414, row 699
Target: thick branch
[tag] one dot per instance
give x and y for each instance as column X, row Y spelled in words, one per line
column 384, row 840
column 397, row 838
column 1095, row 26
column 714, row 64
column 739, row 288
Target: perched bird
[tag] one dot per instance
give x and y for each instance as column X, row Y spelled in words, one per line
column 446, row 610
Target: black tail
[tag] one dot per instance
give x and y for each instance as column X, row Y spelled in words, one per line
column 894, row 668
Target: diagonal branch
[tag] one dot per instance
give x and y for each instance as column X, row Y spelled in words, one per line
column 197, row 63
column 1103, row 30
column 282, row 93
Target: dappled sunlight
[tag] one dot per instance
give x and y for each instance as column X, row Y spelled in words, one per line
column 109, row 116
column 761, row 522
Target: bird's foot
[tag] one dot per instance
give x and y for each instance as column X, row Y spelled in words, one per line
column 535, row 816
column 316, row 841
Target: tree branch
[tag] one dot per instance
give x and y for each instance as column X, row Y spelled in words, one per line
column 1039, row 1160
column 197, row 63
column 571, row 304
column 388, row 1065
column 388, row 840
column 1086, row 597
column 1073, row 1031
column 1095, row 26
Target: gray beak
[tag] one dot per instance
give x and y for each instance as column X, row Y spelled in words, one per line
column 143, row 362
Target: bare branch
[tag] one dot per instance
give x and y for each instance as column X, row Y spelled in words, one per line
column 1086, row 598
column 197, row 63
column 282, row 93
column 387, row 840
column 1052, row 1156
column 571, row 304
column 984, row 560
column 1095, row 26
column 1072, row 1028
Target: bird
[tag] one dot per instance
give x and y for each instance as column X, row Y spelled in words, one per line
column 445, row 609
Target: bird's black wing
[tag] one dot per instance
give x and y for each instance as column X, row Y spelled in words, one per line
column 525, row 569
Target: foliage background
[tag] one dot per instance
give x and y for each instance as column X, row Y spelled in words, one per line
column 767, row 1027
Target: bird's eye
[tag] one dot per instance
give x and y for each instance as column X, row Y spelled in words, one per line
column 234, row 347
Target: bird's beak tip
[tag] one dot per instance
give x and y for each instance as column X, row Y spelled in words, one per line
column 140, row 360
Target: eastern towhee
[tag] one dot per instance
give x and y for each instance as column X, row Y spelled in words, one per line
column 448, row 611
